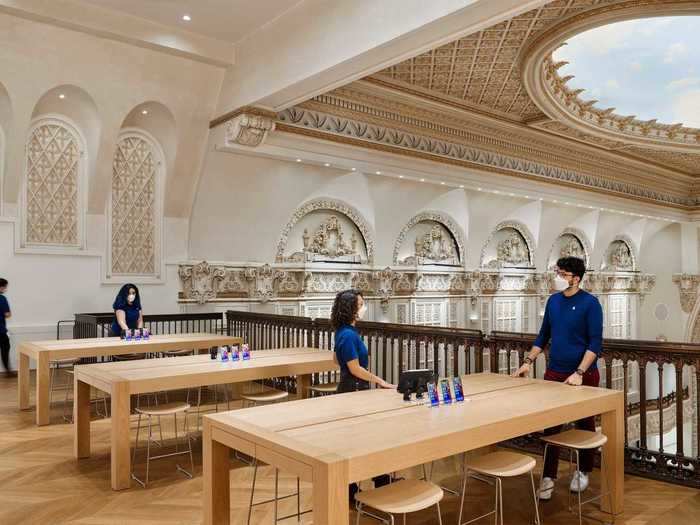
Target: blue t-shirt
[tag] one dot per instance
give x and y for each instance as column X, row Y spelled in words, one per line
column 131, row 311
column 4, row 308
column 348, row 346
column 573, row 324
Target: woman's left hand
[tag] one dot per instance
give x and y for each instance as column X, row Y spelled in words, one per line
column 574, row 379
column 386, row 385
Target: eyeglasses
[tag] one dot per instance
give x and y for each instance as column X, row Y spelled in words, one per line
column 562, row 273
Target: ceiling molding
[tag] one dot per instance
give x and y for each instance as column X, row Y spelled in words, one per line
column 121, row 27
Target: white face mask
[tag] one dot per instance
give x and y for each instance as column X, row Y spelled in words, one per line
column 131, row 297
column 361, row 312
column 560, row 284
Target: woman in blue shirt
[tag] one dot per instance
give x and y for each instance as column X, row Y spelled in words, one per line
column 350, row 350
column 127, row 310
column 352, row 356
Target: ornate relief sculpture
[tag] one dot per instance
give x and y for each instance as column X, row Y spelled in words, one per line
column 571, row 247
column 433, row 247
column 327, row 244
column 53, row 162
column 620, row 257
column 249, row 129
column 201, row 281
column 688, row 285
column 512, row 250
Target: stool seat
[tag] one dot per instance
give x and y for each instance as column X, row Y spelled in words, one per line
column 176, row 352
column 402, row 497
column 325, row 388
column 265, row 397
column 577, row 439
column 164, row 410
column 502, row 464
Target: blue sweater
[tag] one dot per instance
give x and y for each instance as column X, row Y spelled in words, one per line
column 574, row 324
column 350, row 346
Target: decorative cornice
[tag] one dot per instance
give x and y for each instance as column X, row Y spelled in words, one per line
column 497, row 157
column 248, row 110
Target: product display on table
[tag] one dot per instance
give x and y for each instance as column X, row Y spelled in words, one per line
column 414, row 381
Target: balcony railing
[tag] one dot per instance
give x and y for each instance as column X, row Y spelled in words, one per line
column 631, row 366
column 98, row 325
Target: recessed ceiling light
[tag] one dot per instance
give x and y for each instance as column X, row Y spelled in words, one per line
column 144, row 112
column 186, row 18
column 378, row 172
column 442, row 184
column 326, row 164
column 461, row 185
column 353, row 169
column 478, row 189
column 422, row 180
column 61, row 96
column 298, row 160
column 400, row 176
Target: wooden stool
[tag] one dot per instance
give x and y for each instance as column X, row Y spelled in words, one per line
column 402, row 497
column 268, row 396
column 574, row 441
column 324, row 389
column 170, row 409
column 498, row 465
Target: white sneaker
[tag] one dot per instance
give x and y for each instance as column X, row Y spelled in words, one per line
column 546, row 489
column 579, row 482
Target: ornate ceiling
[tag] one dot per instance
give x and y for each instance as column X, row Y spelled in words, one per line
column 493, row 72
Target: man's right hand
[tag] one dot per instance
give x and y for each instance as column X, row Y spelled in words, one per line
column 523, row 371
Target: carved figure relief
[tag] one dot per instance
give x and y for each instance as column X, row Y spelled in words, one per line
column 571, row 247
column 620, row 256
column 434, row 246
column 512, row 250
column 200, row 282
column 329, row 242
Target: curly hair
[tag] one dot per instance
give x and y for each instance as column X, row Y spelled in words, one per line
column 345, row 308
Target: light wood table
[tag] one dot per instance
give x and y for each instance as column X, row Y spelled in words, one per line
column 44, row 352
column 336, row 440
column 122, row 379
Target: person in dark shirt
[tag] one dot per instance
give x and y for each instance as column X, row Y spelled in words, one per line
column 352, row 356
column 573, row 328
column 127, row 310
column 5, row 314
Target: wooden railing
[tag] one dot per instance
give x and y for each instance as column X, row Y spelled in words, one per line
column 625, row 364
column 98, row 325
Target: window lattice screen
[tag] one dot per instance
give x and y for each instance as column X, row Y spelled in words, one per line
column 53, row 162
column 133, row 207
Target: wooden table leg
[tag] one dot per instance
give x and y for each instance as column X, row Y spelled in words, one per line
column 43, row 410
column 216, row 465
column 330, row 499
column 303, row 384
column 23, row 381
column 81, row 418
column 121, row 459
column 613, row 460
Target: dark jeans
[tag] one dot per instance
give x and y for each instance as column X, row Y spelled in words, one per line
column 349, row 383
column 5, row 351
column 551, row 461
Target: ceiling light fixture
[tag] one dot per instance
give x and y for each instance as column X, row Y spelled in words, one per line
column 378, row 172
column 442, row 184
column 353, row 169
column 186, row 18
column 61, row 96
column 326, row 165
column 461, row 186
column 400, row 176
column 298, row 160
column 144, row 112
column 422, row 180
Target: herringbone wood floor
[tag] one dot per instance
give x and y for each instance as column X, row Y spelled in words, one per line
column 41, row 482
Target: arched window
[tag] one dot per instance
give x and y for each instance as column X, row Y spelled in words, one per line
column 134, row 207
column 54, row 191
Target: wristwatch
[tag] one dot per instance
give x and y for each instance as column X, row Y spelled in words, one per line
column 579, row 371
column 528, row 360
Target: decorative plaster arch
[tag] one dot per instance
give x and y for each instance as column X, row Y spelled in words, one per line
column 328, row 204
column 692, row 334
column 436, row 216
column 582, row 238
column 547, row 89
column 630, row 244
column 523, row 230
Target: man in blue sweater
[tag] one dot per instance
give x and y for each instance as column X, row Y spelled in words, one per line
column 573, row 327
